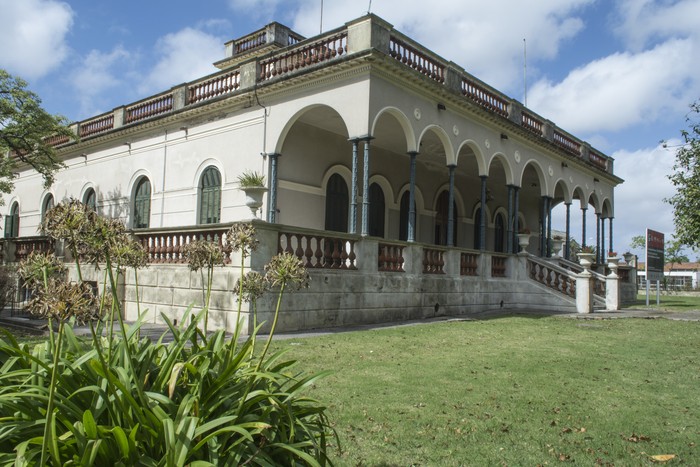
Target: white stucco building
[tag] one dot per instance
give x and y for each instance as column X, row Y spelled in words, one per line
column 398, row 176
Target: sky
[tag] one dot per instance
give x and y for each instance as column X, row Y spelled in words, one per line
column 619, row 74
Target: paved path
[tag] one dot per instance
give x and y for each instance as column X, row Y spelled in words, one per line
column 155, row 331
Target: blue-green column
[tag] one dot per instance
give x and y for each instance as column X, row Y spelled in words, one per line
column 482, row 220
column 450, row 208
column 549, row 200
column 353, row 190
column 365, row 188
column 567, row 245
column 272, row 212
column 509, row 228
column 610, row 248
column 411, row 233
column 583, row 227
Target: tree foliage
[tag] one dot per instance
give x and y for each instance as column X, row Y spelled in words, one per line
column 673, row 249
column 24, row 131
column 686, row 179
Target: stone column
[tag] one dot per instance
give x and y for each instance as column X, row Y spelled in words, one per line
column 450, row 208
column 548, row 240
column 272, row 212
column 603, row 254
column 411, row 234
column 482, row 220
column 612, row 290
column 353, row 189
column 584, row 292
column 610, row 235
column 516, row 210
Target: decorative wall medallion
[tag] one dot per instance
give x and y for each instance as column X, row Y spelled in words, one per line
column 487, row 143
column 416, row 113
column 571, row 179
column 550, row 170
column 587, row 188
column 517, row 156
column 455, row 130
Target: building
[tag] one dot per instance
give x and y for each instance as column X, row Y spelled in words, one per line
column 679, row 276
column 401, row 179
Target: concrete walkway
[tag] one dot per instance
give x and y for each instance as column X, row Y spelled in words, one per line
column 31, row 325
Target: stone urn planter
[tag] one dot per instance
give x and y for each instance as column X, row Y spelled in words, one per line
column 557, row 244
column 613, row 263
column 523, row 241
column 253, row 185
column 628, row 258
column 586, row 259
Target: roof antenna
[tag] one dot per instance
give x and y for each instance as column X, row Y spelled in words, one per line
column 320, row 28
column 525, row 69
column 369, row 8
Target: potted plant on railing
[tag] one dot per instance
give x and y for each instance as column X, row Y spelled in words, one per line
column 613, row 261
column 523, row 238
column 253, row 185
column 628, row 257
column 585, row 256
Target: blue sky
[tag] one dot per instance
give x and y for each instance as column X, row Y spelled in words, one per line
column 618, row 74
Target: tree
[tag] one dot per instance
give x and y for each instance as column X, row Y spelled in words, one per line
column 686, row 179
column 25, row 129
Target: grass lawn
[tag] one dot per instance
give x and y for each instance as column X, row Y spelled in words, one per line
column 668, row 302
column 511, row 391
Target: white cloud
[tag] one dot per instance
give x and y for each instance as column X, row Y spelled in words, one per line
column 476, row 35
column 643, row 21
column 621, row 90
column 33, row 36
column 96, row 74
column 185, row 55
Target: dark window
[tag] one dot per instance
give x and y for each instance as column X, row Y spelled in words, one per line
column 12, row 222
column 90, row 199
column 403, row 216
column 376, row 210
column 142, row 204
column 477, row 229
column 500, row 231
column 442, row 218
column 337, row 200
column 47, row 206
column 210, row 196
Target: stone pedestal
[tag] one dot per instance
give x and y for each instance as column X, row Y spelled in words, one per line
column 584, row 292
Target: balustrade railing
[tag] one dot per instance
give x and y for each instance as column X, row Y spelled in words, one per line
column 532, row 124
column 468, row 264
column 433, row 261
column 304, row 55
column 26, row 245
column 151, row 108
column 598, row 160
column 98, row 125
column 250, row 42
column 552, row 276
column 318, row 250
column 416, row 59
column 390, row 258
column 169, row 247
column 567, row 144
column 219, row 85
column 498, row 266
column 484, row 97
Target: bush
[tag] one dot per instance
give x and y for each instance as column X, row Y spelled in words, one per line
column 200, row 400
column 8, row 286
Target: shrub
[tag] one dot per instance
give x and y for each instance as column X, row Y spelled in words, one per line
column 124, row 400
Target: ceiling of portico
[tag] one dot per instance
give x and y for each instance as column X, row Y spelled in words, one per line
column 326, row 119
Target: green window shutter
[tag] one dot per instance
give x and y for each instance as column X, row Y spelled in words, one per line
column 210, row 196
column 142, row 204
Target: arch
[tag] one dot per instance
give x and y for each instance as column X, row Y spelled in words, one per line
column 88, row 196
column 339, row 170
column 442, row 207
column 579, row 194
column 403, row 122
column 12, row 221
column 337, row 204
column 507, row 168
column 444, row 140
column 209, row 196
column 562, row 186
column 539, row 172
column 298, row 115
column 204, row 165
column 142, row 203
column 607, row 210
column 478, row 155
column 499, row 231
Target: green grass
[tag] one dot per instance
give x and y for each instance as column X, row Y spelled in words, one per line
column 668, row 302
column 512, row 391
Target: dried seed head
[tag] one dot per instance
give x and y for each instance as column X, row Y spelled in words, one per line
column 254, row 286
column 63, row 300
column 40, row 266
column 242, row 237
column 287, row 269
column 203, row 254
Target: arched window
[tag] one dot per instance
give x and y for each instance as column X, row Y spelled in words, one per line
column 500, row 233
column 210, row 196
column 12, row 222
column 442, row 219
column 403, row 216
column 46, row 206
column 90, row 199
column 477, row 229
column 376, row 210
column 337, row 200
column 142, row 204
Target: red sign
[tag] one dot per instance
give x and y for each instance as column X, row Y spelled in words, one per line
column 655, row 255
